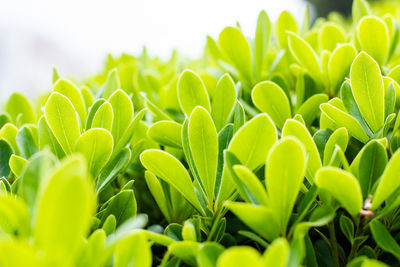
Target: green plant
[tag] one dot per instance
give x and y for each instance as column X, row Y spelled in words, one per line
column 277, row 150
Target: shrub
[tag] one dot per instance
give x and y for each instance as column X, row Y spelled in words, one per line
column 280, row 150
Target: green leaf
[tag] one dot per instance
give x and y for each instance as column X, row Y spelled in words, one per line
column 123, row 113
column 133, row 251
column 111, row 85
column 67, row 203
column 104, row 116
column 26, row 143
column 96, row 145
column 209, row 253
column 286, row 22
column 166, row 133
column 19, row 109
column 223, row 101
column 87, row 96
column 34, row 174
column 261, row 42
column 47, row 139
column 350, row 104
column 238, row 117
column 92, row 111
column 284, row 174
column 192, row 92
column 373, row 35
column 236, row 48
column 5, row 154
column 339, row 65
column 15, row 222
column 271, row 99
column 9, row 133
column 338, row 138
column 252, row 142
column 17, row 164
column 331, row 35
column 368, row 90
column 389, row 181
column 384, row 239
column 277, row 253
column 203, row 142
column 122, row 206
column 172, row 171
column 62, row 120
column 343, row 186
column 298, row 130
column 157, row 192
column 250, row 180
column 309, row 110
column 347, row 227
column 69, row 90
column 342, row 119
column 238, row 257
column 112, row 169
column 305, row 55
column 360, row 9
column 372, row 163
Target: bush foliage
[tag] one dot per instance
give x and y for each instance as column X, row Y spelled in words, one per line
column 276, row 150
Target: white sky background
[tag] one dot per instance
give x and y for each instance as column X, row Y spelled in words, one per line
column 76, row 35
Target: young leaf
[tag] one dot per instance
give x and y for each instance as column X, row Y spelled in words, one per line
column 339, row 65
column 203, row 141
column 96, row 145
column 360, row 9
column 9, row 133
column 62, row 120
column 331, row 35
column 368, row 90
column 255, row 216
column 92, row 111
column 298, row 130
column 166, row 133
column 158, row 193
column 237, row 49
column 172, row 171
column 19, row 109
column 69, row 90
column 371, row 166
column 103, row 118
column 338, row 138
column 343, row 186
column 47, row 139
column 111, row 85
column 223, row 101
column 389, row 181
column 26, row 143
column 342, row 119
column 122, row 206
column 133, row 251
column 192, row 92
column 277, row 253
column 5, row 154
column 112, row 169
column 304, row 55
column 17, row 164
column 252, row 183
column 271, row 99
column 123, row 114
column 309, row 110
column 384, row 239
column 67, row 203
column 373, row 35
column 261, row 42
column 286, row 22
column 284, row 174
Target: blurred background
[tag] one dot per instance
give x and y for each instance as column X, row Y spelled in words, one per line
column 76, row 35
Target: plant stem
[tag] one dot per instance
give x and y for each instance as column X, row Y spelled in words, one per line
column 356, row 244
column 334, row 247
